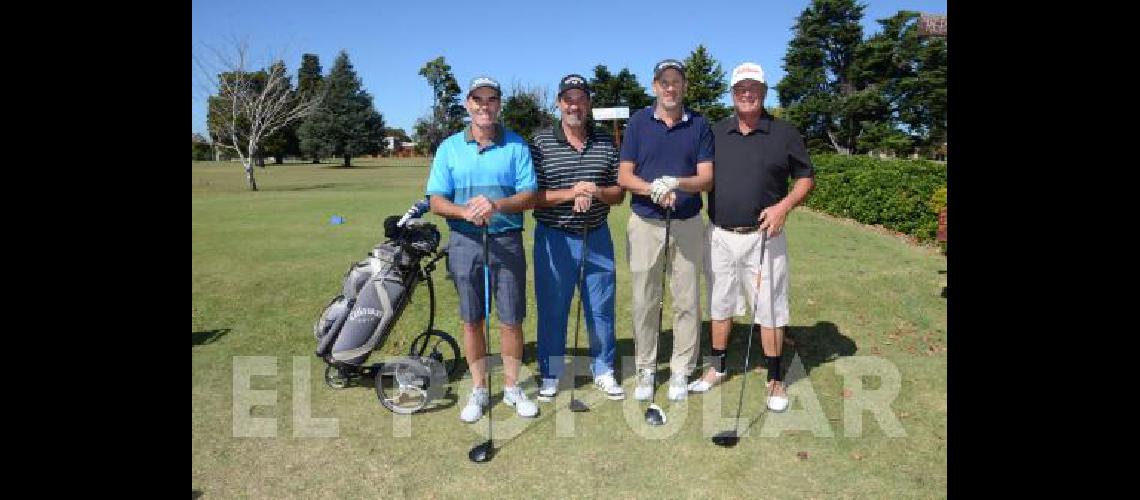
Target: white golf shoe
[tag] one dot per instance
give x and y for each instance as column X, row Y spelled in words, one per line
column 703, row 385
column 549, row 390
column 678, row 387
column 777, row 403
column 609, row 387
column 478, row 400
column 514, row 396
column 644, row 389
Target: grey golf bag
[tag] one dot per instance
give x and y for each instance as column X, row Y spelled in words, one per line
column 373, row 295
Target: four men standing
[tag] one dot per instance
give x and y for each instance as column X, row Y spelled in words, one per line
column 570, row 175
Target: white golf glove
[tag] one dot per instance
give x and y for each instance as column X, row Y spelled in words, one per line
column 662, row 186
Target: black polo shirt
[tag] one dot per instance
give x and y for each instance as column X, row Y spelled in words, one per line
column 751, row 171
column 557, row 165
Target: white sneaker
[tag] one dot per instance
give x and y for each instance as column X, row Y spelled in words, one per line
column 702, row 385
column 644, row 390
column 478, row 400
column 609, row 386
column 777, row 403
column 514, row 396
column 549, row 390
column 678, row 387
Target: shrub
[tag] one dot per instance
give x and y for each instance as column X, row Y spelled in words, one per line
column 897, row 194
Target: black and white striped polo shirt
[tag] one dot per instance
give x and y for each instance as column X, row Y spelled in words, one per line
column 557, row 165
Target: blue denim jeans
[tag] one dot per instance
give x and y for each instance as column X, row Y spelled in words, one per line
column 556, row 256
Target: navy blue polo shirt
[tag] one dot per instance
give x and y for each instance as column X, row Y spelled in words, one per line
column 657, row 150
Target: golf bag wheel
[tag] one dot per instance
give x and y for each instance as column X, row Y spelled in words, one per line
column 335, row 378
column 402, row 386
column 439, row 346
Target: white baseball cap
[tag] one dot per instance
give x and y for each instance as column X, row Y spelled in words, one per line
column 747, row 71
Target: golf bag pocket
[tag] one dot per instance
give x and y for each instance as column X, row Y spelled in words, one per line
column 355, row 278
column 329, row 324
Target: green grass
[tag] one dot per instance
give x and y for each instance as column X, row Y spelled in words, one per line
column 265, row 263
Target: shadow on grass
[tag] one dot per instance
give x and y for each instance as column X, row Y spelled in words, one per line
column 815, row 345
column 313, row 187
column 368, row 382
column 196, row 494
column 209, row 336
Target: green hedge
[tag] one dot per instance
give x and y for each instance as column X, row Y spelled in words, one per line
column 896, row 194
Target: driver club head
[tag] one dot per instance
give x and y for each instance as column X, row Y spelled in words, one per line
column 726, row 439
column 577, row 406
column 481, row 452
column 654, row 415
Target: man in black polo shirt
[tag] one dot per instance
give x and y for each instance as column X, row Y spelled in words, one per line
column 666, row 161
column 755, row 156
column 576, row 168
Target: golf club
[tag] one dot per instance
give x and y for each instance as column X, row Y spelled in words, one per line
column 577, row 406
column 483, row 451
column 654, row 415
column 728, row 439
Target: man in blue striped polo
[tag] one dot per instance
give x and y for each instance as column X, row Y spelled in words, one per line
column 484, row 175
column 576, row 167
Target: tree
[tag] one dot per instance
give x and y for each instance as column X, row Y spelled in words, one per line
column 446, row 116
column 201, row 148
column 705, row 85
column 346, row 125
column 909, row 71
column 309, row 81
column 817, row 90
column 616, row 91
column 398, row 133
column 526, row 110
column 249, row 106
column 284, row 141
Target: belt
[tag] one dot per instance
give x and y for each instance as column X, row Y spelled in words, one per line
column 741, row 229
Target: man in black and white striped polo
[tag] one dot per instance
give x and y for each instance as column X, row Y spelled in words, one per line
column 576, row 168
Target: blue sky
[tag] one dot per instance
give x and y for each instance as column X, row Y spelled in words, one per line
column 533, row 43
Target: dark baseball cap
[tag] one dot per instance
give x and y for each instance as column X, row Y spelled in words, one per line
column 573, row 81
column 483, row 81
column 666, row 64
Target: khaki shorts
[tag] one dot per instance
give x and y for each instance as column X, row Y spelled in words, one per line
column 732, row 266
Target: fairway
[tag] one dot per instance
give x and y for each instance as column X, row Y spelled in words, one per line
column 265, row 263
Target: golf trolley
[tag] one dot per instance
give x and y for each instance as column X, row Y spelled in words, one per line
column 358, row 321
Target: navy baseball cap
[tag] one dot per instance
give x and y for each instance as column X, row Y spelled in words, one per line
column 573, row 81
column 666, row 64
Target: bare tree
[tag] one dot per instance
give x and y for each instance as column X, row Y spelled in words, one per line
column 251, row 104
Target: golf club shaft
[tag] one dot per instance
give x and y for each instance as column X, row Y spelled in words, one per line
column 751, row 329
column 664, row 273
column 487, row 325
column 581, row 282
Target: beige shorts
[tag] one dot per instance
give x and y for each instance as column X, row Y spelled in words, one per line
column 733, row 261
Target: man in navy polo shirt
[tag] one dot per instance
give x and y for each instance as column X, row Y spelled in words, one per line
column 756, row 154
column 576, row 165
column 484, row 175
column 666, row 161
